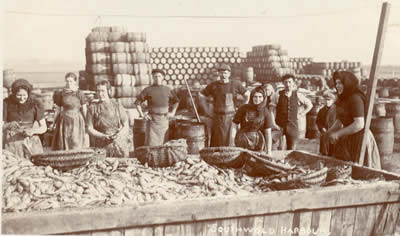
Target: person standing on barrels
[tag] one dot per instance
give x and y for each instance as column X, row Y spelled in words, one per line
column 162, row 104
column 24, row 121
column 291, row 111
column 255, row 123
column 107, row 123
column 347, row 131
column 223, row 92
column 325, row 119
column 70, row 128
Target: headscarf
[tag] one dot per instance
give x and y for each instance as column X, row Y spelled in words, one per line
column 15, row 87
column 350, row 85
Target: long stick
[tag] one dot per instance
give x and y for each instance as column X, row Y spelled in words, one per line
column 373, row 80
column 191, row 98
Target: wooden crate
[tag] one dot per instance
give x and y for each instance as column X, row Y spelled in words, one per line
column 370, row 208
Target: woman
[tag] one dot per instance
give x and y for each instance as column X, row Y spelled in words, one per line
column 255, row 123
column 70, row 131
column 24, row 121
column 107, row 123
column 347, row 131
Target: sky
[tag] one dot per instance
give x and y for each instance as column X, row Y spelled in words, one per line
column 49, row 35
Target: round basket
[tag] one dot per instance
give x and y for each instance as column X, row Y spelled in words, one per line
column 339, row 172
column 224, row 157
column 314, row 179
column 163, row 155
column 63, row 160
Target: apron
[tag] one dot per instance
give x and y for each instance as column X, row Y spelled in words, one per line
column 252, row 140
column 224, row 108
column 21, row 146
column 109, row 123
column 157, row 127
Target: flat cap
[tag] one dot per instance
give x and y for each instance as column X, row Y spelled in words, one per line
column 224, row 67
column 157, row 71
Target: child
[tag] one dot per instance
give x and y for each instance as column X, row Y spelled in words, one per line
column 325, row 119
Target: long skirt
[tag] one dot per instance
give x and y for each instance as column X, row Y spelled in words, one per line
column 70, row 132
column 348, row 148
column 250, row 140
column 157, row 130
column 325, row 147
column 222, row 132
column 114, row 148
column 22, row 146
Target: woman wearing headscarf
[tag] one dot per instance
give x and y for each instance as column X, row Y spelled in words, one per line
column 347, row 131
column 107, row 123
column 255, row 123
column 70, row 131
column 24, row 121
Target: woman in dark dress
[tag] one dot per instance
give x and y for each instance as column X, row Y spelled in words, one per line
column 24, row 121
column 255, row 123
column 70, row 131
column 347, row 131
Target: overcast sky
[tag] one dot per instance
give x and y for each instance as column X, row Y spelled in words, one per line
column 42, row 33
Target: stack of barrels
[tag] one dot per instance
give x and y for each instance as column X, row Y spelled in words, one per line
column 298, row 64
column 120, row 57
column 270, row 62
column 194, row 63
column 327, row 68
column 9, row 77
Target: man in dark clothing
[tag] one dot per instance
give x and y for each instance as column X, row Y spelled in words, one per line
column 325, row 119
column 291, row 111
column 159, row 99
column 223, row 92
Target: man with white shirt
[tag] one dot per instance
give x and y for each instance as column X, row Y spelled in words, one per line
column 291, row 111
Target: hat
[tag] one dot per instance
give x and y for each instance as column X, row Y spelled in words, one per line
column 157, row 71
column 21, row 83
column 224, row 67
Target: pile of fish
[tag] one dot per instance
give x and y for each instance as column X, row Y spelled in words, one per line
column 116, row 182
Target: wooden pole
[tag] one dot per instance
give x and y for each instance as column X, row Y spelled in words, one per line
column 191, row 98
column 373, row 80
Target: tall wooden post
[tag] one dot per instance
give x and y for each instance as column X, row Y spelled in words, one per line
column 373, row 80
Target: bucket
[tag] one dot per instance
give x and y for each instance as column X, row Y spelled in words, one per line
column 393, row 110
column 139, row 132
column 382, row 128
column 194, row 133
column 312, row 128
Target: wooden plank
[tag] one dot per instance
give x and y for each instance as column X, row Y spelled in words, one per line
column 271, row 224
column 381, row 216
column 245, row 226
column 390, row 225
column 365, row 219
column 158, row 230
column 258, row 226
column 145, row 231
column 373, row 80
column 386, row 219
column 80, row 220
column 397, row 228
column 285, row 221
column 189, row 228
column 305, row 223
column 227, row 227
column 349, row 217
column 99, row 233
column 296, row 223
column 315, row 222
column 325, row 217
column 172, row 229
column 337, row 221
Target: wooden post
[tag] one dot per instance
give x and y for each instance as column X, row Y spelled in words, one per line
column 373, row 80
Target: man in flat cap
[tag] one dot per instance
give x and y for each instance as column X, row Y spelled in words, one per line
column 223, row 92
column 162, row 103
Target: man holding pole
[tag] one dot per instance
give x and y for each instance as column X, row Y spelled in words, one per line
column 159, row 99
column 223, row 92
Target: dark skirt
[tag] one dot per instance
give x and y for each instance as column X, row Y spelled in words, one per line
column 253, row 140
column 221, row 134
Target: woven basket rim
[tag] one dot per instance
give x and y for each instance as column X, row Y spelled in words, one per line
column 221, row 149
column 68, row 152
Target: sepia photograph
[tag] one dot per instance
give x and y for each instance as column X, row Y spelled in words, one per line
column 256, row 117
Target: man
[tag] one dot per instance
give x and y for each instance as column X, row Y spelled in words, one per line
column 162, row 104
column 325, row 119
column 223, row 92
column 291, row 111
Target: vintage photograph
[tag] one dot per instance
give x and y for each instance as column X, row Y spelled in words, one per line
column 194, row 117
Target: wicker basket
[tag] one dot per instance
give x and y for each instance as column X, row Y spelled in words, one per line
column 339, row 172
column 259, row 164
column 223, row 157
column 63, row 160
column 163, row 155
column 313, row 179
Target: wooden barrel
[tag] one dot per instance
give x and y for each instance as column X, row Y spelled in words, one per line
column 379, row 109
column 382, row 128
column 138, row 47
column 136, row 37
column 194, row 133
column 97, row 37
column 116, row 36
column 393, row 110
column 125, row 91
column 139, row 132
column 122, row 68
column 121, row 80
column 384, row 92
column 127, row 102
column 99, row 58
column 140, row 57
column 312, row 128
column 8, row 78
column 99, row 47
column 117, row 58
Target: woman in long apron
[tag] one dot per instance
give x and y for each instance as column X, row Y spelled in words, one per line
column 70, row 128
column 347, row 132
column 24, row 121
column 107, row 123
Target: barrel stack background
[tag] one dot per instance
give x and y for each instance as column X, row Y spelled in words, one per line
column 122, row 58
column 9, row 77
column 194, row 63
column 298, row 64
column 269, row 61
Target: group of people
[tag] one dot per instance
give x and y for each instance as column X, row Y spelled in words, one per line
column 252, row 125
